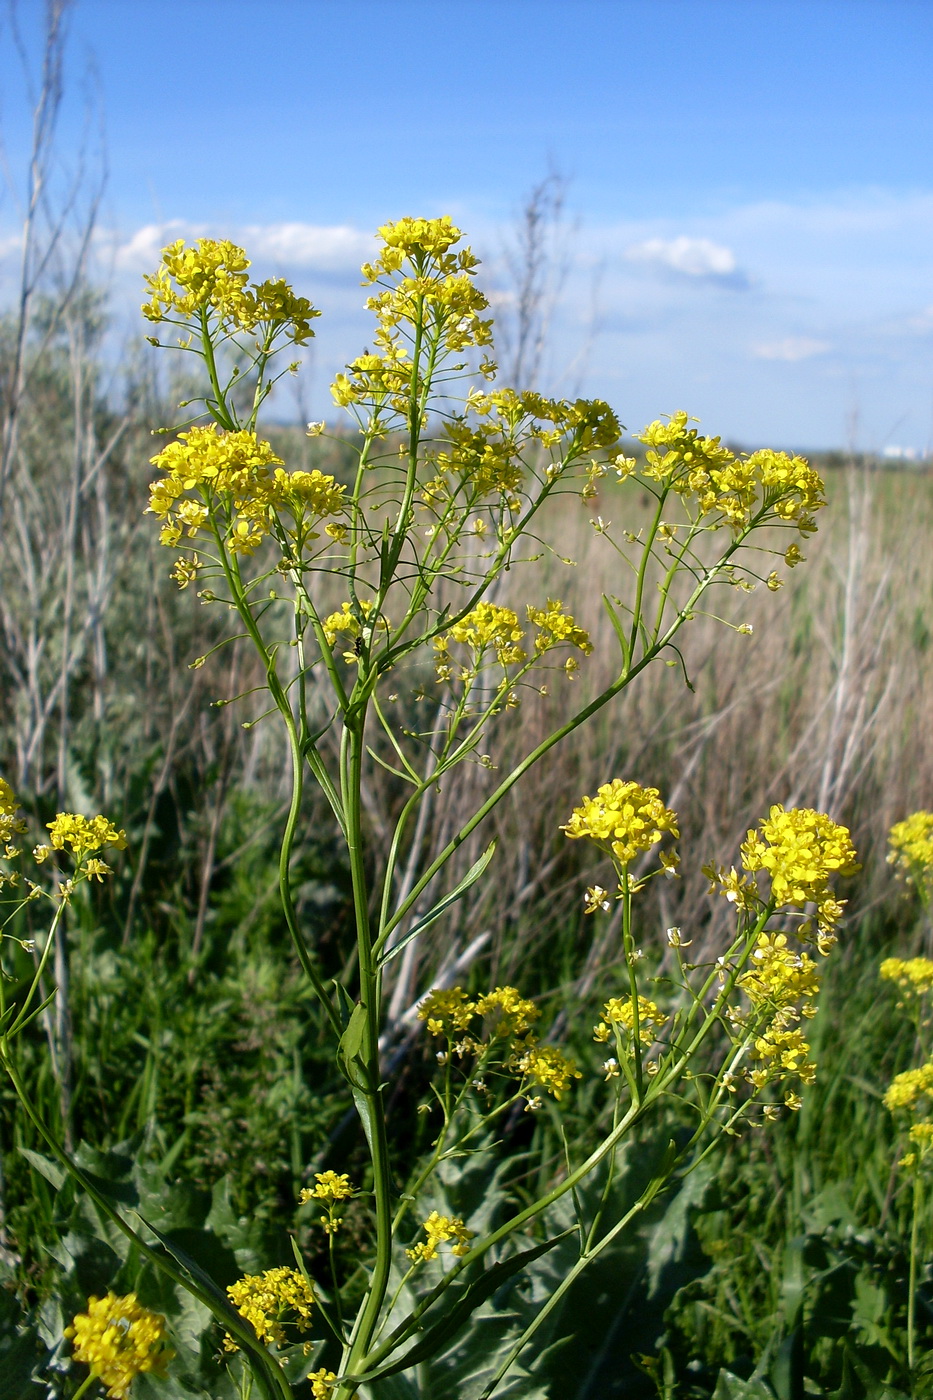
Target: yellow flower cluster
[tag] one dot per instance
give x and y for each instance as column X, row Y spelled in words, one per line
column 488, row 625
column 921, row 1135
column 557, row 627
column 270, row 1302
column 376, row 380
column 619, row 1011
column 10, row 824
column 780, row 984
column 120, row 1340
column 435, row 280
column 736, row 488
column 800, row 850
column 486, row 457
column 329, row 1186
column 447, row 1011
column 506, row 1012
column 911, row 843
column 911, row 974
column 782, row 1048
column 546, row 1066
column 322, row 1383
column 82, row 836
column 624, row 817
column 345, row 623
column 484, row 461
column 777, row 976
column 423, row 283
column 507, row 1016
column 245, row 475
column 212, row 279
column 439, row 1229
column 909, row 1088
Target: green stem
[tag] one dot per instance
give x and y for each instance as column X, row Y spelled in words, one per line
column 367, row 1091
column 84, row 1386
column 628, row 945
column 21, row 1017
column 223, row 413
column 283, row 705
column 912, row 1279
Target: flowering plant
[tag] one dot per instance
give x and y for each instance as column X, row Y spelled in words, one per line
column 399, row 583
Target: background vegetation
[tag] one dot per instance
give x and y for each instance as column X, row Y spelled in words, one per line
column 183, row 1029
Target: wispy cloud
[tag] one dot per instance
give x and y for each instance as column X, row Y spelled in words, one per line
column 328, row 248
column 691, row 257
column 791, row 348
column 140, row 252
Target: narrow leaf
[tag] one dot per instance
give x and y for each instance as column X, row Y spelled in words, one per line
column 50, row 1170
column 470, row 878
column 434, row 1337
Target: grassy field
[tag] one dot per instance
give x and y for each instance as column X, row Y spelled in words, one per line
column 184, row 1029
column 185, row 1062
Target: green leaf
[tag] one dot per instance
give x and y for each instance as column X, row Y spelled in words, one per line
column 350, row 1049
column 470, row 878
column 730, row 1387
column 434, row 1337
column 46, row 1167
column 192, row 1267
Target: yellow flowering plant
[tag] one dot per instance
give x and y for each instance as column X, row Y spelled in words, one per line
column 909, row 1096
column 401, row 582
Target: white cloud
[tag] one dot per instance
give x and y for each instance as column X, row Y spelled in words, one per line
column 330, row 248
column 10, row 244
column 903, row 454
column 694, row 257
column 142, row 250
column 791, row 348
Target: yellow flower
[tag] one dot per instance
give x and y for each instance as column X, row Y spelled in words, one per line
column 10, row 824
column 489, row 625
column 439, row 1229
column 557, row 627
column 911, row 843
column 345, row 623
column 507, row 1012
column 211, row 278
column 322, row 1383
column 329, row 1186
column 96, row 870
column 782, row 1046
column 736, row 488
column 270, row 1302
column 778, row 977
column 623, row 816
column 241, row 473
column 185, row 570
column 800, row 850
column 120, row 1340
column 910, row 974
column 619, row 1011
column 83, row 836
column 546, row 1065
column 446, row 1010
column 907, row 1089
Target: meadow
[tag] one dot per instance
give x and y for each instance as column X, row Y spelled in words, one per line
column 185, row 1066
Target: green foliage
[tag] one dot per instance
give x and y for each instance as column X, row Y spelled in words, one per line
column 777, row 1268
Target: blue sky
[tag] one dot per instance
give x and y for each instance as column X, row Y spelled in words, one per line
column 750, row 185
